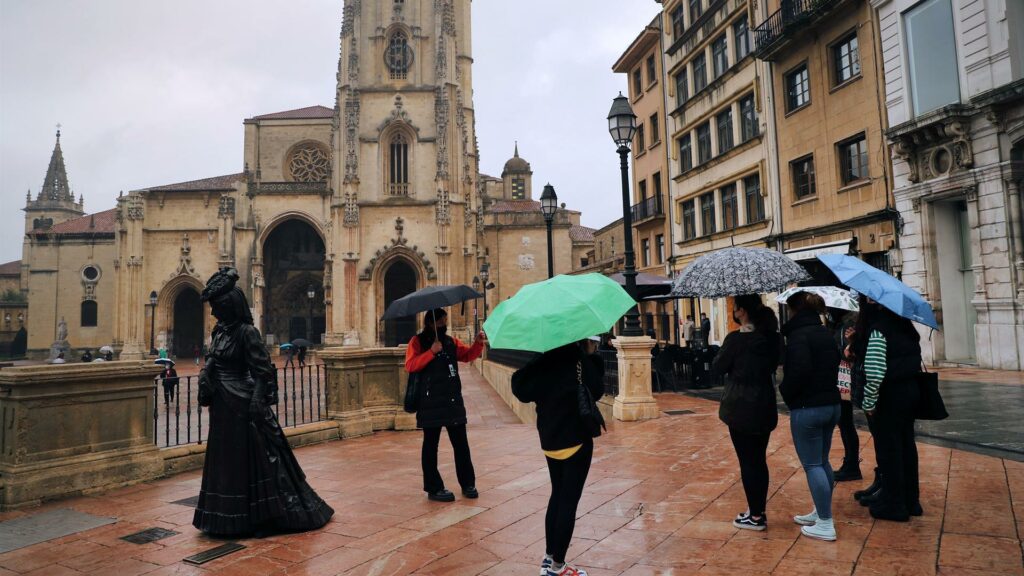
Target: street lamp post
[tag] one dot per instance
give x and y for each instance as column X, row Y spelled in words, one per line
column 152, row 322
column 485, row 274
column 310, row 293
column 622, row 126
column 549, row 205
column 476, row 308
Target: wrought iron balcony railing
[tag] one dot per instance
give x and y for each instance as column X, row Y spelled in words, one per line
column 793, row 16
column 648, row 208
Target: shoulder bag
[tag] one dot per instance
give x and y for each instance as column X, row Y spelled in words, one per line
column 412, row 394
column 591, row 416
column 930, row 405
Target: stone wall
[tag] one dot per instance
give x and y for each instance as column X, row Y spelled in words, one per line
column 499, row 377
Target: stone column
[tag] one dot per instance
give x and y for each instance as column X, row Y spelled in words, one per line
column 634, row 401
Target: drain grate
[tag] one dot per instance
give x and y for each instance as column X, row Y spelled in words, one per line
column 191, row 501
column 678, row 412
column 214, row 553
column 149, row 535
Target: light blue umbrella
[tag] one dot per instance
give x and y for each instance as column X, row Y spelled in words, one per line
column 881, row 287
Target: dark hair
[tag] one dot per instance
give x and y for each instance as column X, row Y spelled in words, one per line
column 762, row 317
column 871, row 314
column 804, row 301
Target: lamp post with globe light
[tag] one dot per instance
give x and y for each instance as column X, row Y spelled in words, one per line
column 622, row 126
column 548, row 206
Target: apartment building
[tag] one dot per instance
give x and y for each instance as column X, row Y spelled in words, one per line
column 717, row 169
column 954, row 97
column 642, row 64
column 824, row 94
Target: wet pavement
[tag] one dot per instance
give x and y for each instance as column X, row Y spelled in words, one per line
column 985, row 413
column 659, row 502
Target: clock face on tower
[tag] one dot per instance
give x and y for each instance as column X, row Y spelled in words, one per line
column 518, row 189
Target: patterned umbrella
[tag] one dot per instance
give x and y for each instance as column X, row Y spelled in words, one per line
column 834, row 297
column 737, row 271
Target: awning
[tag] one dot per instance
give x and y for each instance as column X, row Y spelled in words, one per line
column 812, row 252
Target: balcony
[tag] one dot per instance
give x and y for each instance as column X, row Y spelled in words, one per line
column 649, row 208
column 399, row 190
column 779, row 29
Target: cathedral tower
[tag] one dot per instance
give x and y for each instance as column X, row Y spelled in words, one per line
column 405, row 165
column 55, row 202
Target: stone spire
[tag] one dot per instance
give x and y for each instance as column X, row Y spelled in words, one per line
column 55, row 185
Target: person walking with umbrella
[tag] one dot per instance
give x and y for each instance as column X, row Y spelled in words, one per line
column 433, row 357
column 169, row 379
column 809, row 390
column 749, row 357
column 553, row 382
column 289, row 355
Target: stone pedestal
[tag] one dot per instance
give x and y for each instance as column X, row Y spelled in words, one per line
column 70, row 429
column 634, row 401
column 366, row 389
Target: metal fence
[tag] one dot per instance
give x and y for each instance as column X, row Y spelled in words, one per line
column 179, row 419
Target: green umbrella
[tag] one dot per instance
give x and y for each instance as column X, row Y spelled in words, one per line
column 557, row 311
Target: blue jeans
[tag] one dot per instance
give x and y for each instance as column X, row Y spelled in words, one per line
column 812, row 436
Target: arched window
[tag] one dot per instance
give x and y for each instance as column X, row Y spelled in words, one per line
column 398, row 165
column 399, row 55
column 89, row 313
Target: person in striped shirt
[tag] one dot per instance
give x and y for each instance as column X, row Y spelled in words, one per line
column 889, row 350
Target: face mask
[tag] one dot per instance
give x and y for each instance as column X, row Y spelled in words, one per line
column 442, row 330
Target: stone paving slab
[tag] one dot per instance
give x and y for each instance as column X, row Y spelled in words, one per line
column 33, row 529
column 659, row 502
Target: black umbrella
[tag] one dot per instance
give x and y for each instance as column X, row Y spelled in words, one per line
column 646, row 284
column 301, row 343
column 429, row 298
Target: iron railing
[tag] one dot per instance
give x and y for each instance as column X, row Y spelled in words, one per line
column 648, row 208
column 179, row 419
column 792, row 14
column 611, row 371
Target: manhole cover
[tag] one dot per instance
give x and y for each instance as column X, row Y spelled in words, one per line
column 678, row 412
column 191, row 502
column 214, row 553
column 149, row 535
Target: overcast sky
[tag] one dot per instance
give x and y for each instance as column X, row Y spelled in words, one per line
column 152, row 93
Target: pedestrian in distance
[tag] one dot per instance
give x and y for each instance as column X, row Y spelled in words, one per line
column 553, row 382
column 196, row 353
column 289, row 356
column 842, row 323
column 87, row 357
column 688, row 331
column 252, row 484
column 302, row 357
column 109, row 356
column 162, row 352
column 888, row 350
column 169, row 380
column 433, row 356
column 748, row 359
column 705, row 329
column 59, row 359
column 809, row 389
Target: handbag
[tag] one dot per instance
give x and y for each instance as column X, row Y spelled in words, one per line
column 591, row 416
column 930, row 405
column 845, row 380
column 858, row 381
column 412, row 394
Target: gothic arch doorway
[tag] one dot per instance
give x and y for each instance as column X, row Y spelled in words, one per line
column 188, row 326
column 399, row 280
column 293, row 257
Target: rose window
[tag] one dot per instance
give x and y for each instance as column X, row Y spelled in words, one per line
column 309, row 163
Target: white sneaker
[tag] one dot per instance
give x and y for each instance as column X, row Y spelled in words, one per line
column 806, row 519
column 821, row 530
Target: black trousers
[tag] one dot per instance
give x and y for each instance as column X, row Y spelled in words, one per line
column 567, row 479
column 848, row 432
column 752, row 452
column 432, row 481
column 895, row 448
column 169, row 392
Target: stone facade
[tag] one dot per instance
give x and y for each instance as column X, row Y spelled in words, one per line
column 333, row 213
column 957, row 141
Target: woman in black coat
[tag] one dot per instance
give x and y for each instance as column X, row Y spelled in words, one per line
column 809, row 390
column 552, row 381
column 749, row 357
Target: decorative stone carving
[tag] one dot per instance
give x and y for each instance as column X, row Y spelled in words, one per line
column 398, row 114
column 467, row 214
column 396, row 15
column 226, row 207
column 441, row 61
column 400, row 242
column 352, row 9
column 971, row 193
column 935, row 147
column 443, row 211
column 185, row 267
column 351, row 217
column 136, row 207
column 352, row 137
column 526, row 262
column 915, row 204
column 441, row 110
column 309, row 162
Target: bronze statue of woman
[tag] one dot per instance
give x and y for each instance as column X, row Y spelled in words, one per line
column 252, row 484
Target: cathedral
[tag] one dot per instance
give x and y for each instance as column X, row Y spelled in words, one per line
column 334, row 213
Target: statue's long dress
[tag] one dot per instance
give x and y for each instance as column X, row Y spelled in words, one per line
column 251, row 480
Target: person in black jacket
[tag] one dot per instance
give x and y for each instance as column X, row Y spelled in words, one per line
column 749, row 357
column 552, row 382
column 169, row 379
column 842, row 326
column 434, row 356
column 809, row 390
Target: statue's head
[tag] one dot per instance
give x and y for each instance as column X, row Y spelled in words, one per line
column 227, row 301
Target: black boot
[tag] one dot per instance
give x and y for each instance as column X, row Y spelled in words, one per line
column 875, row 486
column 848, row 471
column 883, row 510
